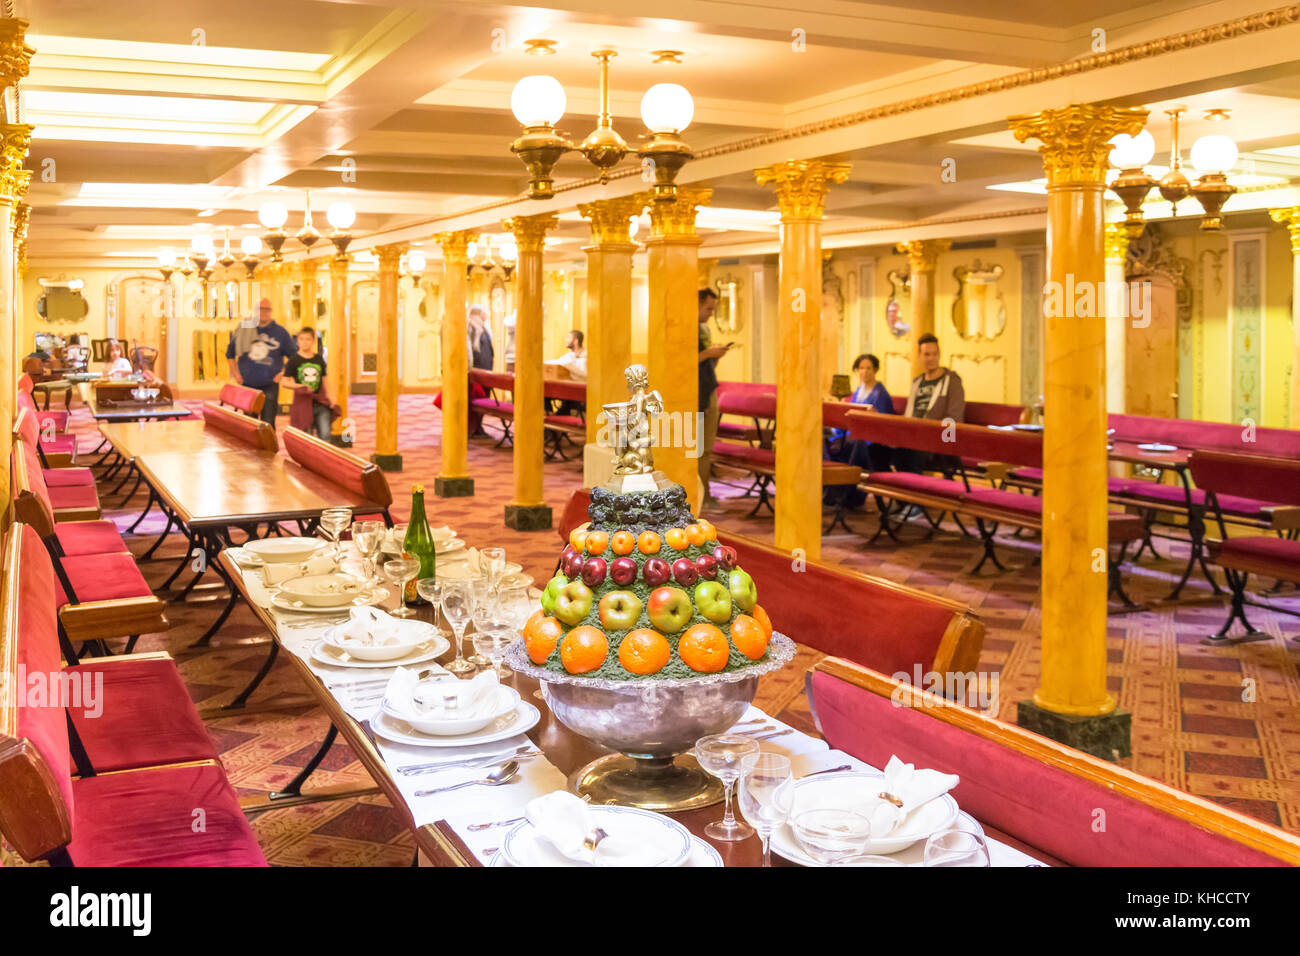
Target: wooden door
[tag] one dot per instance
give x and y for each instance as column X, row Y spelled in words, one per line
column 365, row 332
column 1151, row 353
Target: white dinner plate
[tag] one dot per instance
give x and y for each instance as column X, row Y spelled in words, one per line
column 245, row 559
column 702, row 854
column 1158, row 447
column 284, row 550
column 372, row 597
column 522, row 847
column 857, row 790
column 522, row 718
column 323, row 652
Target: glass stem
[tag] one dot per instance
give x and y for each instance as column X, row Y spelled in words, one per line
column 728, row 820
column 767, row 848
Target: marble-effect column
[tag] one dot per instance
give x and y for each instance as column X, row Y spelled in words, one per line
column 454, row 481
column 386, row 455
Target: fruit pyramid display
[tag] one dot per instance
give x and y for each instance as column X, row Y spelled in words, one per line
column 644, row 590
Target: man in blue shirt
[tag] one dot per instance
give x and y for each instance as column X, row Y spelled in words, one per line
column 256, row 357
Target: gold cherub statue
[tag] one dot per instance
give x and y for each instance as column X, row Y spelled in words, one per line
column 631, row 423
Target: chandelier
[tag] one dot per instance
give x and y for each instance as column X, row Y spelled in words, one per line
column 274, row 214
column 483, row 253
column 1212, row 156
column 538, row 102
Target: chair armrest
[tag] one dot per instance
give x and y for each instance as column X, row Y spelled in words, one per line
column 1283, row 517
column 995, row 470
column 93, row 620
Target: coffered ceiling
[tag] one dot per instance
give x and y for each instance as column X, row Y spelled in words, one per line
column 158, row 118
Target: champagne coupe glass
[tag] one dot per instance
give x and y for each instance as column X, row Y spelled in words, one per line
column 457, row 609
column 368, row 536
column 334, row 521
column 491, row 644
column 956, row 848
column 831, row 835
column 399, row 571
column 720, row 755
column 766, row 795
column 431, row 590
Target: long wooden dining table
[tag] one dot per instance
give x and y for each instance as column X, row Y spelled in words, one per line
column 438, row 842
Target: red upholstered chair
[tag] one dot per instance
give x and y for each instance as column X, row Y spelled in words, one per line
column 574, row 514
column 242, row 399
column 26, row 429
column 887, row 626
column 1040, row 792
column 134, row 817
column 360, row 477
column 252, row 431
column 57, row 450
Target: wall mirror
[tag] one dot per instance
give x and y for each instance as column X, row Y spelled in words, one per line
column 61, row 300
column 978, row 312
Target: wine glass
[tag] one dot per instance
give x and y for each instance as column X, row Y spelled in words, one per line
column 368, row 536
column 485, row 609
column 831, row 835
column 720, row 755
column 491, row 645
column 431, row 590
column 514, row 606
column 457, row 609
column 956, row 848
column 334, row 521
column 399, row 571
column 766, row 795
column 493, row 562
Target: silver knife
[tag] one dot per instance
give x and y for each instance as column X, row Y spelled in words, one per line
column 468, row 761
column 779, row 733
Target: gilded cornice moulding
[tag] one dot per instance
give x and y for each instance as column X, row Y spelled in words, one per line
column 801, row 185
column 530, row 231
column 1076, row 139
column 14, row 140
column 1116, row 240
column 339, row 265
column 1289, row 217
column 455, row 246
column 676, row 219
column 923, row 254
column 390, row 256
column 15, row 54
column 609, row 220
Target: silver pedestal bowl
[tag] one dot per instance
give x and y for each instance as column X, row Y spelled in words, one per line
column 652, row 724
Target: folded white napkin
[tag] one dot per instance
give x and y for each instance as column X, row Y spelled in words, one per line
column 913, row 787
column 446, row 698
column 564, row 821
column 370, row 627
column 274, row 574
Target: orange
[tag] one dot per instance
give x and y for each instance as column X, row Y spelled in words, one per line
column 583, row 649
column 648, row 543
column 577, row 539
column 540, row 637
column 749, row 636
column 676, row 538
column 596, row 542
column 710, row 532
column 704, row 648
column 534, row 619
column 695, row 534
column 761, row 617
column 623, row 542
column 644, row 651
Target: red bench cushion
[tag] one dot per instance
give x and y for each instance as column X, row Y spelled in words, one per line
column 1120, row 526
column 1259, row 554
column 102, row 577
column 73, row 496
column 492, row 405
column 1235, row 505
column 147, row 818
column 925, row 484
column 565, row 421
column 1042, row 805
column 65, row 477
column 89, row 537
column 146, row 717
column 745, row 453
column 59, row 445
column 240, row 396
column 339, row 467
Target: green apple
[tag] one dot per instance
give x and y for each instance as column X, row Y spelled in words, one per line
column 619, row 611
column 743, row 593
column 573, row 603
column 669, row 609
column 714, row 601
column 552, row 591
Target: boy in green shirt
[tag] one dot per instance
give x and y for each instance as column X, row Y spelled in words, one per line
column 305, row 374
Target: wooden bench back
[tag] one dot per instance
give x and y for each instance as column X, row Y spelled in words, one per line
column 566, row 391
column 361, row 477
column 1068, row 804
column 252, row 431
column 1211, row 436
column 31, row 497
column 966, row 441
column 35, row 779
column 488, row 379
column 241, row 397
column 1249, row 476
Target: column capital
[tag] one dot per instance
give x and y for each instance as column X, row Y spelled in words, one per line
column 1076, row 139
column 801, row 185
column 1289, row 217
column 308, row 267
column 1116, row 240
column 609, row 219
column 923, row 254
column 15, row 54
column 22, row 216
column 339, row 265
column 455, row 246
column 530, row 231
column 675, row 219
column 390, row 256
column 14, row 140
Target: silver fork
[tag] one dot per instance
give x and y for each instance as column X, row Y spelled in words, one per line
column 491, row 824
column 480, row 762
column 526, row 749
column 779, row 733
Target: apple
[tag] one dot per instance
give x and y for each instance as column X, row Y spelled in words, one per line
column 572, row 563
column 669, row 609
column 573, row 603
column 656, row 572
column 726, row 557
column 619, row 610
column 593, row 572
column 552, row 591
column 685, row 572
column 707, row 565
column 743, row 593
column 622, row 571
column 714, row 601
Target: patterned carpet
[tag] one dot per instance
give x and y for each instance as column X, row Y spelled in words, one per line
column 1191, row 727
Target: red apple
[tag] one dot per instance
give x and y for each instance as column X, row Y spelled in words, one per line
column 726, row 557
column 707, row 565
column 622, row 571
column 684, row 572
column 656, row 572
column 572, row 564
column 669, row 609
column 593, row 572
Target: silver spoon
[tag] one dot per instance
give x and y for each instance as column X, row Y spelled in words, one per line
column 503, row 774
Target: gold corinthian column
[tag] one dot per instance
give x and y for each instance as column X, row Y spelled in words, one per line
column 454, row 480
column 922, row 256
column 1116, row 246
column 1291, row 218
column 386, row 455
column 801, row 188
column 527, row 511
column 1072, row 704
column 340, row 345
column 13, row 150
column 674, row 339
column 609, row 319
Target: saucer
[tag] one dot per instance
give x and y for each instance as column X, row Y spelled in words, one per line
column 522, row 718
column 372, row 597
column 323, row 652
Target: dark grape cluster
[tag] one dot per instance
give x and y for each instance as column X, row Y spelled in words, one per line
column 639, row 511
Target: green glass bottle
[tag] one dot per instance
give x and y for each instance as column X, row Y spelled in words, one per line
column 418, row 543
